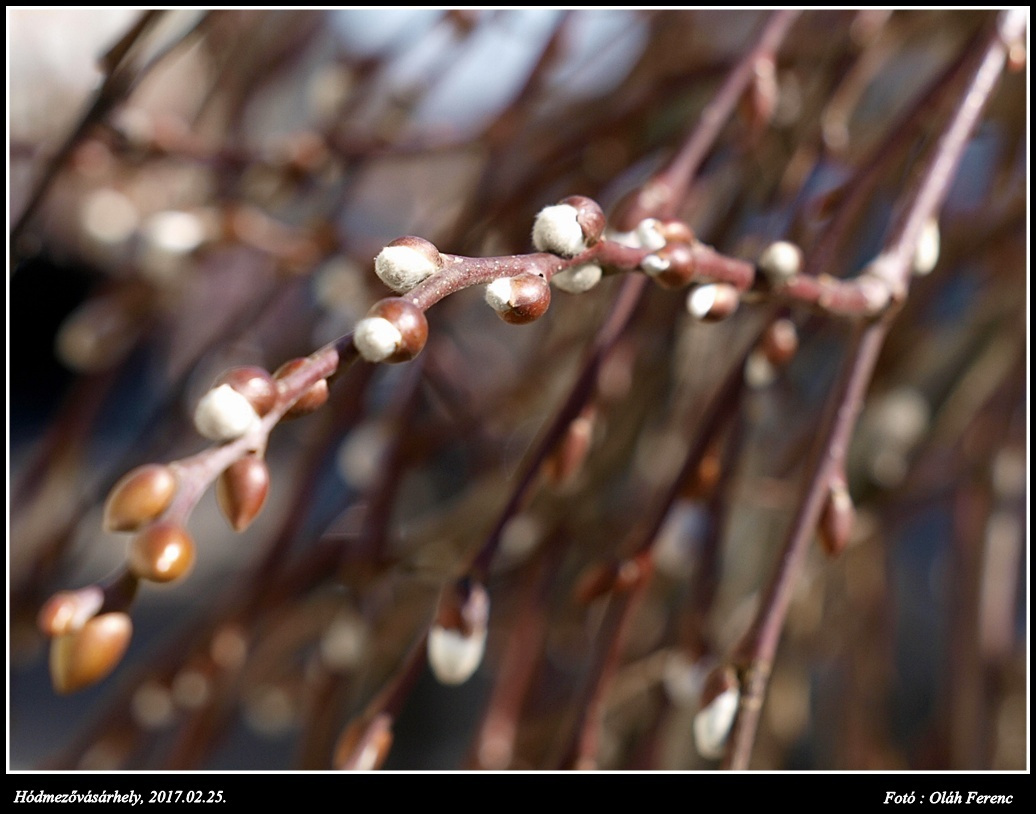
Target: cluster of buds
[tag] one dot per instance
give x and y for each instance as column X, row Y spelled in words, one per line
column 568, row 229
column 457, row 640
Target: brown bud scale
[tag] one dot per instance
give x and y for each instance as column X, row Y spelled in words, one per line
column 139, row 497
column 85, row 656
column 241, row 490
column 161, row 553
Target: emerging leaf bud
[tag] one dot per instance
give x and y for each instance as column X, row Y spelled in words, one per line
column 311, row 400
column 835, row 526
column 719, row 701
column 255, row 384
column 713, row 301
column 241, row 490
column 672, row 266
column 519, row 299
column 163, row 552
column 69, row 610
column 557, row 230
column 139, row 497
column 83, row 657
column 780, row 262
column 578, row 279
column 407, row 261
column 223, row 414
column 457, row 640
column 589, row 216
column 394, row 330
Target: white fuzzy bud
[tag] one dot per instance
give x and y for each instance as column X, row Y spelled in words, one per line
column 927, row 253
column 376, row 338
column 780, row 262
column 649, row 234
column 557, row 230
column 654, row 265
column 223, row 414
column 712, row 724
column 579, row 279
column 454, row 657
column 500, row 294
column 701, row 300
column 402, row 267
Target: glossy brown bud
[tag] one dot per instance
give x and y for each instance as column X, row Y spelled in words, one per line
column 835, row 526
column 139, row 497
column 589, row 216
column 520, row 299
column 394, row 330
column 162, row 552
column 69, row 610
column 241, row 490
column 313, row 399
column 255, row 384
column 85, row 656
column 672, row 266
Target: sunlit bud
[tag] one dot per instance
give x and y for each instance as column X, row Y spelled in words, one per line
column 519, row 299
column 457, row 640
column 557, row 230
column 162, row 552
column 578, row 279
column 712, row 724
column 672, row 266
column 69, row 610
column 86, row 655
column 223, row 414
column 835, row 526
column 311, row 400
column 713, row 301
column 780, row 342
column 255, row 384
column 407, row 261
column 364, row 745
column 139, row 497
column 927, row 254
column 394, row 330
column 241, row 490
column 589, row 216
column 780, row 262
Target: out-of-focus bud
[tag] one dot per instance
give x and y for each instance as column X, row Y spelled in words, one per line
column 780, row 262
column 457, row 640
column 713, row 302
column 313, row 399
column 406, row 262
column 241, row 490
column 394, row 330
column 139, row 497
column 926, row 255
column 780, row 342
column 69, row 610
column 719, row 701
column 84, row 656
column 566, row 461
column 835, row 526
column 162, row 552
column 519, row 299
